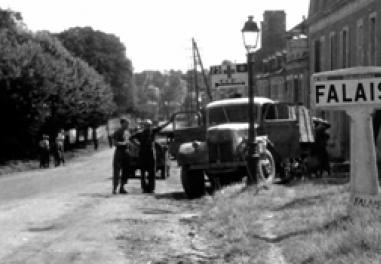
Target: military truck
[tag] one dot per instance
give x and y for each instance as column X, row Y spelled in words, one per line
column 212, row 143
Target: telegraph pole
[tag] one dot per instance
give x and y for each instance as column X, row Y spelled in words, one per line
column 206, row 81
column 195, row 81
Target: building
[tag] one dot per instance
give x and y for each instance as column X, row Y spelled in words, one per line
column 342, row 34
column 272, row 82
column 284, row 74
column 273, row 28
column 273, row 31
column 297, row 65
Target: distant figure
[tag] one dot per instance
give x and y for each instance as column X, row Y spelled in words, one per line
column 59, row 149
column 321, row 142
column 44, row 149
column 121, row 161
column 95, row 138
column 147, row 155
column 109, row 137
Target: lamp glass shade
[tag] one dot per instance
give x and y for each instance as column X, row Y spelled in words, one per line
column 250, row 34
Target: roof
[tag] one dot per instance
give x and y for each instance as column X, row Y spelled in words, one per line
column 237, row 101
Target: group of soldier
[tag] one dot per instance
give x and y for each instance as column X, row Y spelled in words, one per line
column 55, row 148
column 124, row 142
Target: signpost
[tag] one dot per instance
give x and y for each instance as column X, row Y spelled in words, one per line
column 357, row 91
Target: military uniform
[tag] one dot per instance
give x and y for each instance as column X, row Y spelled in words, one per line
column 59, row 149
column 147, row 157
column 44, row 152
column 121, row 159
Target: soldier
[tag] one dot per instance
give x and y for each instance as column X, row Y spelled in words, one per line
column 121, row 157
column 59, row 148
column 321, row 142
column 44, row 152
column 147, row 155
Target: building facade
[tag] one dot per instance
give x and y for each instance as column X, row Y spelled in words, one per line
column 271, row 82
column 297, row 65
column 342, row 34
column 273, row 32
column 285, row 72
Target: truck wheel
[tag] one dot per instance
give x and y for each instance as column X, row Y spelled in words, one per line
column 193, row 182
column 267, row 167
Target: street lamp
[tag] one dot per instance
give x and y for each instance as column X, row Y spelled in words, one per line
column 250, row 35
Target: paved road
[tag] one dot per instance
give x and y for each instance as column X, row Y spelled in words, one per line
column 67, row 215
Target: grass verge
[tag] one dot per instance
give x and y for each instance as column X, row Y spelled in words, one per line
column 306, row 223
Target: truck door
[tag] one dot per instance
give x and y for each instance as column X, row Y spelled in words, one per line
column 281, row 126
column 187, row 126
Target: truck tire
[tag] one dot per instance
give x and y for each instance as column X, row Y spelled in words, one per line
column 267, row 167
column 193, row 182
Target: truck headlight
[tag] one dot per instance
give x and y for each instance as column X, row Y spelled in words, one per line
column 196, row 145
column 261, row 146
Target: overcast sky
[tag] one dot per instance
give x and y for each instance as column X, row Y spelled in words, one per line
column 157, row 33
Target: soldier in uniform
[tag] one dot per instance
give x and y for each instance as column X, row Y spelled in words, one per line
column 321, row 142
column 59, row 148
column 121, row 157
column 147, row 155
column 44, row 152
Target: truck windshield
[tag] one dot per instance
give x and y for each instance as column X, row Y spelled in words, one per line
column 230, row 114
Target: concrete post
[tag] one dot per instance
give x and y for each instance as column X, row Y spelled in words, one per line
column 364, row 174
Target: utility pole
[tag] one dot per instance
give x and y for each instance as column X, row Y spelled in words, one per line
column 206, row 81
column 195, row 81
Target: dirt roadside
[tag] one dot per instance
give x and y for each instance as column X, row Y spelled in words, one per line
column 89, row 225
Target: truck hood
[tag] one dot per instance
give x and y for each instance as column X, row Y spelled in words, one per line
column 231, row 126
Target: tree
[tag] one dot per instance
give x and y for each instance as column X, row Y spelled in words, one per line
column 172, row 90
column 44, row 88
column 107, row 55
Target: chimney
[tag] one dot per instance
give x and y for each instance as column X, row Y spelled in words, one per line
column 273, row 31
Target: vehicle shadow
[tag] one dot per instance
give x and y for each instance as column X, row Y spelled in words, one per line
column 177, row 196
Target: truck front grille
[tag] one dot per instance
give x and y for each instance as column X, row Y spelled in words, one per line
column 221, row 152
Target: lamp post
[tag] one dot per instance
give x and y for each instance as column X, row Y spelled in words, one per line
column 250, row 35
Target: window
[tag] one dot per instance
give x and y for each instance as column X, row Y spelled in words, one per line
column 317, row 56
column 230, row 114
column 296, row 89
column 333, row 50
column 323, row 54
column 276, row 112
column 344, row 48
column 372, row 39
column 360, row 43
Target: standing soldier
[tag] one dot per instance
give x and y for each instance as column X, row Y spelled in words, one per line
column 321, row 142
column 121, row 157
column 147, row 155
column 44, row 152
column 59, row 148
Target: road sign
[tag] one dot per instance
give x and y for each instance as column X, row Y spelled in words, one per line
column 357, row 91
column 228, row 80
column 343, row 88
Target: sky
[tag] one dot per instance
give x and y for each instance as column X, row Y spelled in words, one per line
column 157, row 33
